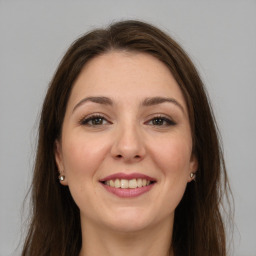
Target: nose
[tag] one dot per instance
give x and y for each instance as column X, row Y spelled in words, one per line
column 128, row 144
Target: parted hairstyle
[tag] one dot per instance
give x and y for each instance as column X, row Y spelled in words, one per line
column 199, row 229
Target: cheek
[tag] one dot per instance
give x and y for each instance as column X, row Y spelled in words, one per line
column 174, row 156
column 83, row 155
column 174, row 162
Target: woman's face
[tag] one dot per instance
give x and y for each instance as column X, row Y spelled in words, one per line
column 126, row 146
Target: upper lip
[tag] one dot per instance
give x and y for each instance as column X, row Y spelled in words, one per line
column 126, row 176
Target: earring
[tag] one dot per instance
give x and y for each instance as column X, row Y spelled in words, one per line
column 61, row 177
column 192, row 175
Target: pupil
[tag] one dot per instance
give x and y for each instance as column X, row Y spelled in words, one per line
column 97, row 121
column 158, row 121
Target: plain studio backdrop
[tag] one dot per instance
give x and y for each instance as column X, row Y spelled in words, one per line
column 220, row 37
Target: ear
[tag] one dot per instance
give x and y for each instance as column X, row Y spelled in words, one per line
column 59, row 161
column 193, row 166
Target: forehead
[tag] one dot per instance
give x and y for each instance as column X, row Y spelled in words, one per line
column 125, row 75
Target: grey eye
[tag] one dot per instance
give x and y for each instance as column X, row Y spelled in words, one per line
column 161, row 121
column 94, row 121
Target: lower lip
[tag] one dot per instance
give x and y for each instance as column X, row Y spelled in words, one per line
column 128, row 192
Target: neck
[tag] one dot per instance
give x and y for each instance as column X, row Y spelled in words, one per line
column 106, row 242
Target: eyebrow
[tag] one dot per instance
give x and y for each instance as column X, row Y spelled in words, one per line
column 100, row 100
column 158, row 100
column 146, row 102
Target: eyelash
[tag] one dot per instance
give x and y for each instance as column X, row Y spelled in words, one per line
column 85, row 121
column 168, row 122
column 164, row 121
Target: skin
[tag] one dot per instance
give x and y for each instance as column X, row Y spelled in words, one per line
column 128, row 139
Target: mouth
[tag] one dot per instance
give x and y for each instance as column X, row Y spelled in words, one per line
column 125, row 183
column 128, row 185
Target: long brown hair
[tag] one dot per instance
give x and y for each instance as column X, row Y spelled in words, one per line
column 55, row 221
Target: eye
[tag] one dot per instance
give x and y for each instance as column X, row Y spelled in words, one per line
column 94, row 120
column 161, row 121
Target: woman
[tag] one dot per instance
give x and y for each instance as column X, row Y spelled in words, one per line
column 127, row 128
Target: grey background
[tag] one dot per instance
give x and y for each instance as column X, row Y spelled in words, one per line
column 220, row 36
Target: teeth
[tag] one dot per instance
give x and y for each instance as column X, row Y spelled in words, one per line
column 123, row 183
column 117, row 183
column 133, row 183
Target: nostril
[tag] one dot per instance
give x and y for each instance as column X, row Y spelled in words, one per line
column 121, row 156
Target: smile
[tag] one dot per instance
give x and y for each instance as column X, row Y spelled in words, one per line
column 124, row 183
column 128, row 185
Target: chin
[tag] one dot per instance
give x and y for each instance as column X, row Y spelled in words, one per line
column 129, row 220
column 128, row 227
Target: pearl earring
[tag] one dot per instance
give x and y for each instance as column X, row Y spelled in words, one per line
column 61, row 177
column 192, row 175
